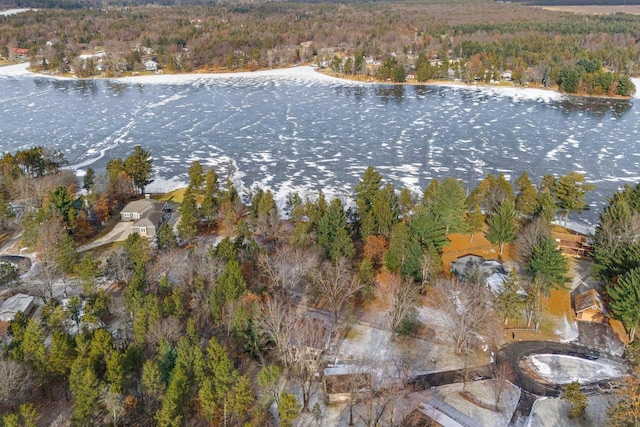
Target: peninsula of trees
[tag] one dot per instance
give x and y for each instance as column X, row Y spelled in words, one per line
column 471, row 42
column 232, row 309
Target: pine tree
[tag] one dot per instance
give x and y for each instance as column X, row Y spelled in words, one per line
column 166, row 238
column 188, row 225
column 288, row 409
column 85, row 388
column 400, row 237
column 196, row 177
column 33, row 348
column 510, row 300
column 334, row 234
column 526, row 200
column 384, row 210
column 138, row 167
column 449, row 204
column 474, row 221
column 569, row 192
column 210, row 202
column 577, row 400
column 171, row 413
column 548, row 265
column 365, row 193
column 88, row 180
column 502, row 224
column 428, row 229
column 61, row 355
column 625, row 300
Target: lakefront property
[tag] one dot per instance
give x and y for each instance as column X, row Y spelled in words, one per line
column 262, row 214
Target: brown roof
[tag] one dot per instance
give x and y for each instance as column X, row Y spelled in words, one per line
column 588, row 300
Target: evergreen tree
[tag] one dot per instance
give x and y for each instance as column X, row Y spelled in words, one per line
column 288, row 409
column 510, row 300
column 384, row 210
column 188, row 225
column 138, row 167
column 406, row 203
column 569, row 192
column 171, row 413
column 88, row 180
column 365, row 193
column 33, row 348
column 502, row 224
column 210, row 202
column 196, row 177
column 625, row 300
column 548, row 265
column 428, row 229
column 545, row 205
column 166, row 238
column 400, row 237
column 449, row 205
column 577, row 400
column 474, row 221
column 85, row 388
column 527, row 198
column 334, row 234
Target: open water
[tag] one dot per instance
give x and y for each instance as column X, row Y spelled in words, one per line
column 299, row 133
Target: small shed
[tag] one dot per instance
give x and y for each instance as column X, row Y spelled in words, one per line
column 589, row 307
column 14, row 304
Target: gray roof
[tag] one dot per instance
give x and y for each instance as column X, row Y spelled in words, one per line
column 18, row 302
column 144, row 205
column 150, row 219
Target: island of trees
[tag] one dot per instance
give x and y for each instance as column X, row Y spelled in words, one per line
column 232, row 309
column 471, row 42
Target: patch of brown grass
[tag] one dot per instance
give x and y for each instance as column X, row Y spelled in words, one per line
column 461, row 245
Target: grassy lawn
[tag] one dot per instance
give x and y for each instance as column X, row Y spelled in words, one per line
column 175, row 196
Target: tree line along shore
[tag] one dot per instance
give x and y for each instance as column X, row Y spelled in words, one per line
column 471, row 43
column 231, row 309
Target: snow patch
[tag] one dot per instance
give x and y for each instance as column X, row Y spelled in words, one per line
column 561, row 369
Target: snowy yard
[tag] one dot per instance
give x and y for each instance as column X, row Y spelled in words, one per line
column 560, row 369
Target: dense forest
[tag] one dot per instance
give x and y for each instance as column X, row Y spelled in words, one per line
column 478, row 41
column 182, row 331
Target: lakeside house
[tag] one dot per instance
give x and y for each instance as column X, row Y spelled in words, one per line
column 148, row 215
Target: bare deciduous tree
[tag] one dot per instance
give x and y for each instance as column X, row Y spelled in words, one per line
column 400, row 300
column 278, row 321
column 464, row 309
column 15, row 381
column 310, row 342
column 530, row 236
column 335, row 284
column 287, row 266
column 502, row 376
column 168, row 329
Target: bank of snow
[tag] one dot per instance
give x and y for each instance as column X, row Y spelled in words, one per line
column 561, row 369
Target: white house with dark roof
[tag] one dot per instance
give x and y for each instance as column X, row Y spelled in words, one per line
column 147, row 215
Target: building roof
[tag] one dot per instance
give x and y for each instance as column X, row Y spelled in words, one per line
column 588, row 300
column 143, row 205
column 150, row 219
column 18, row 302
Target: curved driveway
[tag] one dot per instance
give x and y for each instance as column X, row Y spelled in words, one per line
column 513, row 353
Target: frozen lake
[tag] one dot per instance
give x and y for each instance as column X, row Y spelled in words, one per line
column 301, row 132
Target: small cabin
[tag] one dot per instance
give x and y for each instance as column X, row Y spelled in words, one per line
column 589, row 307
